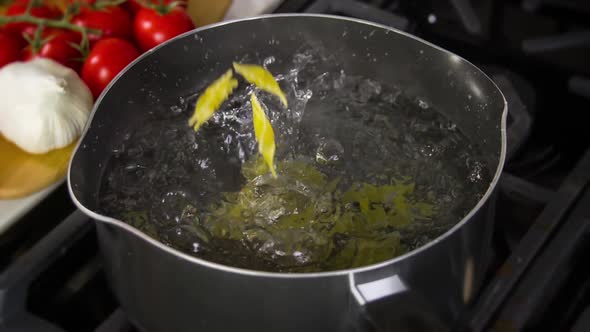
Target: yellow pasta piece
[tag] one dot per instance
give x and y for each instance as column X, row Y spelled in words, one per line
column 212, row 98
column 262, row 78
column 264, row 134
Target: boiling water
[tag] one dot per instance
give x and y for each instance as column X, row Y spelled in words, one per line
column 175, row 184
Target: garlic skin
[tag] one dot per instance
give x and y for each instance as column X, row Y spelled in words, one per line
column 43, row 105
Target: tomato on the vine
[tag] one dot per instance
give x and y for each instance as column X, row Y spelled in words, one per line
column 39, row 9
column 152, row 27
column 108, row 57
column 81, row 2
column 113, row 21
column 11, row 47
column 59, row 47
column 133, row 6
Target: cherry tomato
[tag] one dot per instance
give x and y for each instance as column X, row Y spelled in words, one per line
column 108, row 57
column 112, row 21
column 11, row 47
column 133, row 6
column 152, row 28
column 58, row 48
column 81, row 2
column 20, row 7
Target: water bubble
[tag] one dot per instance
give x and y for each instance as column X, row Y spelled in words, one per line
column 268, row 61
column 422, row 104
column 118, row 150
column 302, row 59
column 303, row 95
column 197, row 247
column 132, row 167
column 476, row 172
column 329, row 151
column 301, row 257
column 428, row 150
column 450, row 126
column 204, row 163
column 175, row 109
column 340, row 80
column 368, row 89
column 135, row 152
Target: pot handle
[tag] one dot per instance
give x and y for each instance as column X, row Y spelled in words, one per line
column 389, row 304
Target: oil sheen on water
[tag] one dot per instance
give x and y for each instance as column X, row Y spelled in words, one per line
column 366, row 173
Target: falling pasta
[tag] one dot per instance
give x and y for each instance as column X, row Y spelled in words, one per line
column 264, row 134
column 216, row 93
column 262, row 78
column 212, row 98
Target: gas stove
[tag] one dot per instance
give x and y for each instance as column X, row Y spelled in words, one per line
column 51, row 275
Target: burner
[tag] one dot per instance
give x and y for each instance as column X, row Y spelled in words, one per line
column 519, row 120
column 557, row 42
column 521, row 203
column 56, row 282
column 517, row 295
column 577, row 5
column 469, row 18
column 580, row 86
column 359, row 10
column 118, row 322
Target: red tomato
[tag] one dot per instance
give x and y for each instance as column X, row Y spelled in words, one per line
column 152, row 28
column 133, row 6
column 11, row 47
column 81, row 2
column 108, row 57
column 58, row 48
column 112, row 21
column 19, row 8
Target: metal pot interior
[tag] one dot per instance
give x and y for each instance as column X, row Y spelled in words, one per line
column 163, row 79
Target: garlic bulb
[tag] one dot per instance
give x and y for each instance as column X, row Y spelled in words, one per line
column 43, row 105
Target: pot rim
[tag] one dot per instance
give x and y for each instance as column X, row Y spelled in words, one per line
column 256, row 273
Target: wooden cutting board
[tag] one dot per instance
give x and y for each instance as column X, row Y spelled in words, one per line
column 205, row 12
column 22, row 173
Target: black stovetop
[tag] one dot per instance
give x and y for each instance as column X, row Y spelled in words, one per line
column 537, row 51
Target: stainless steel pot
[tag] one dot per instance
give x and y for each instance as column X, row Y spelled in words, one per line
column 163, row 289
